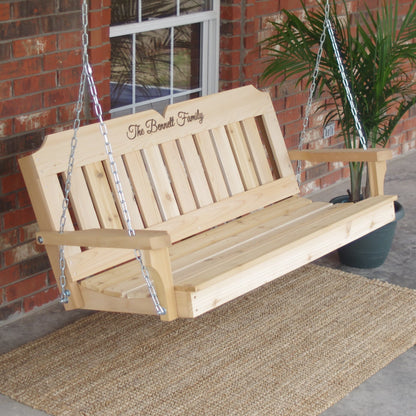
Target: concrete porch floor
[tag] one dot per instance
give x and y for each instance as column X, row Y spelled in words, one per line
column 390, row 392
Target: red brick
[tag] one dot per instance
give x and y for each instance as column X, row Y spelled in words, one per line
column 20, row 29
column 34, row 46
column 62, row 60
column 25, row 287
column 61, row 22
column 4, row 11
column 6, row 127
column 18, row 218
column 7, row 203
column 20, row 68
column 5, row 90
column 9, row 239
column 96, row 19
column 60, row 96
column 293, row 128
column 100, row 54
column 34, row 84
column 34, row 121
column 35, row 264
column 97, row 37
column 23, row 199
column 31, row 8
column 230, row 58
column 22, row 253
column 28, row 232
column 66, row 113
column 69, row 5
column 331, row 178
column 229, row 72
column 20, row 105
column 39, row 299
column 264, row 8
column 5, row 51
column 69, row 40
column 12, row 183
column 9, row 275
column 231, row 12
column 69, row 76
column 230, row 43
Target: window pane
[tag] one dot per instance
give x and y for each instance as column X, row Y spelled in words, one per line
column 186, row 65
column 193, row 6
column 152, row 9
column 121, row 71
column 153, row 64
column 124, row 11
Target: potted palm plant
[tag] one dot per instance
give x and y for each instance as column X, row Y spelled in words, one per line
column 378, row 54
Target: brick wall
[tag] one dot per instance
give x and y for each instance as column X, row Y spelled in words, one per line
column 39, row 76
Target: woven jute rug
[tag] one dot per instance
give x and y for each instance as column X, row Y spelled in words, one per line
column 293, row 347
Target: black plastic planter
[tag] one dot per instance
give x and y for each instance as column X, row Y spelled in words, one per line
column 371, row 250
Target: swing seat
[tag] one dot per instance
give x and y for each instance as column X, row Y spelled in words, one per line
column 211, row 191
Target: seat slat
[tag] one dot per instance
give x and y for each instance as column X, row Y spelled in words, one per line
column 118, row 281
column 239, row 239
column 241, row 224
column 319, row 233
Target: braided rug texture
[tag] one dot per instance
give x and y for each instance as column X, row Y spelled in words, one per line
column 293, row 347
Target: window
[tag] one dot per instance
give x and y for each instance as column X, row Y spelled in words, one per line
column 162, row 51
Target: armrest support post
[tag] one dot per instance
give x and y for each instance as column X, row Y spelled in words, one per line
column 158, row 264
column 376, row 175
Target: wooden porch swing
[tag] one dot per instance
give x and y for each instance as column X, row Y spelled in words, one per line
column 187, row 210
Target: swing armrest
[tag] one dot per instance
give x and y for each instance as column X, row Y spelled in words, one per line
column 376, row 159
column 342, row 155
column 144, row 239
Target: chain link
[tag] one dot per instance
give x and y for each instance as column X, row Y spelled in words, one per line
column 354, row 112
column 87, row 76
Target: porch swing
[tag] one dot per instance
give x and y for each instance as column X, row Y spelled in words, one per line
column 188, row 210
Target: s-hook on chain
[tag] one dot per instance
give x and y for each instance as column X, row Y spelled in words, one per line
column 87, row 76
column 345, row 82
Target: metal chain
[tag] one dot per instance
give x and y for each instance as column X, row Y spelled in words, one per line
column 312, row 91
column 87, row 76
column 346, row 84
column 328, row 26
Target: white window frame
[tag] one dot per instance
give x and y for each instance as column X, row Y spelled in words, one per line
column 210, row 34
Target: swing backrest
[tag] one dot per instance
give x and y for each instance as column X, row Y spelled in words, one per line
column 203, row 163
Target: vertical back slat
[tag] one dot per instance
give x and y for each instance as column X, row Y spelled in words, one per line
column 161, row 182
column 196, row 174
column 81, row 201
column 133, row 209
column 180, row 182
column 229, row 165
column 257, row 150
column 242, row 155
column 143, row 189
column 212, row 168
column 277, row 144
column 102, row 196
